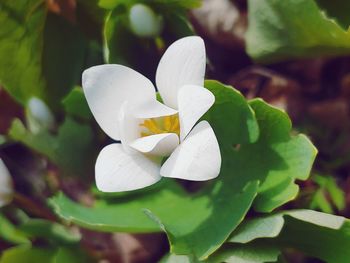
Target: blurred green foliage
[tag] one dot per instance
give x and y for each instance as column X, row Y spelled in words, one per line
column 282, row 30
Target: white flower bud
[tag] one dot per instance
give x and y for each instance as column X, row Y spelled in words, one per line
column 6, row 185
column 39, row 116
column 144, row 22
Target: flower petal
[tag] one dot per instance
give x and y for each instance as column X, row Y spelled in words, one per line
column 106, row 87
column 129, row 126
column 197, row 158
column 152, row 109
column 6, row 185
column 159, row 145
column 193, row 101
column 182, row 63
column 117, row 171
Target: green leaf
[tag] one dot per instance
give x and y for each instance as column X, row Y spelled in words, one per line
column 198, row 223
column 319, row 235
column 328, row 188
column 50, row 231
column 26, row 254
column 320, row 201
column 172, row 258
column 196, row 233
column 76, row 105
column 283, row 158
column 70, row 255
column 229, row 253
column 71, row 148
column 41, row 55
column 10, row 233
column 337, row 9
column 229, row 112
column 191, row 217
column 63, row 58
column 266, row 227
column 20, row 48
column 280, row 30
column 251, row 253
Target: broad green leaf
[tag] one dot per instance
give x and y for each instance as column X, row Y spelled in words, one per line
column 266, row 227
column 71, row 148
column 282, row 157
column 319, row 235
column 41, row 55
column 280, row 30
column 192, row 217
column 48, row 230
column 206, row 224
column 76, row 105
column 20, row 48
column 124, row 214
column 198, row 223
column 229, row 112
column 10, row 233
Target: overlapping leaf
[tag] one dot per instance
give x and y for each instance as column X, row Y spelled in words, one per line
column 20, row 47
column 280, row 30
column 319, row 235
column 41, row 54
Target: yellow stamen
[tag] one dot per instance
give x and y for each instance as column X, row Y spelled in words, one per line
column 167, row 124
column 152, row 126
column 175, row 124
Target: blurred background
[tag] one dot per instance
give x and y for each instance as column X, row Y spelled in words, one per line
column 294, row 57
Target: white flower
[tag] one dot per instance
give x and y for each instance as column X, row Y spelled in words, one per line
column 6, row 185
column 124, row 104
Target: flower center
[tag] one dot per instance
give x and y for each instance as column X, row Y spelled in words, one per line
column 167, row 124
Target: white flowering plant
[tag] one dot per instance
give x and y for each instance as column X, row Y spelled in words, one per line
column 114, row 133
